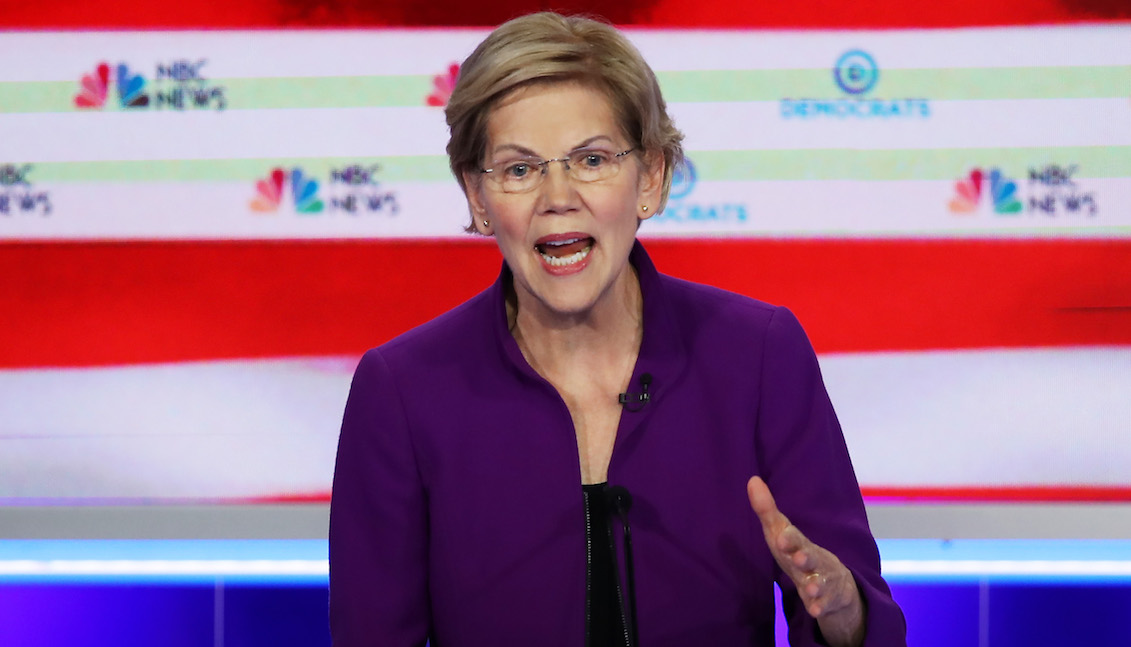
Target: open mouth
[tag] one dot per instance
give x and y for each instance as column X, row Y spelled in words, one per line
column 566, row 251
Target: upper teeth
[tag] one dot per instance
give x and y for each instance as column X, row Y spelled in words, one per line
column 558, row 243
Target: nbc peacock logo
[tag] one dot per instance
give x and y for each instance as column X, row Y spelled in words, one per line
column 94, row 88
column 1002, row 193
column 270, row 192
column 442, row 86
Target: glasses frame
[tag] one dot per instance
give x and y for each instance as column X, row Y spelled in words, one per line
column 544, row 166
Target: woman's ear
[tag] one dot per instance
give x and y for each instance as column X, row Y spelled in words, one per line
column 473, row 189
column 651, row 184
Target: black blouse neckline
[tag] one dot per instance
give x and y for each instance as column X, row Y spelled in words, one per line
column 606, row 627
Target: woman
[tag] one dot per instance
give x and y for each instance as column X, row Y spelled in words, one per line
column 486, row 464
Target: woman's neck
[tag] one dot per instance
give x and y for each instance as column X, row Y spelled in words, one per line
column 605, row 337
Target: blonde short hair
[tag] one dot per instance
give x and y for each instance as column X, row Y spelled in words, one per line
column 549, row 47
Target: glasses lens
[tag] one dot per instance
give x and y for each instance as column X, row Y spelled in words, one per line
column 592, row 165
column 585, row 165
column 517, row 176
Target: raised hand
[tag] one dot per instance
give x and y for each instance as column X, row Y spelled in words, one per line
column 826, row 586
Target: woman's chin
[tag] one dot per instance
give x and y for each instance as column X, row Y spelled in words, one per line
column 567, row 306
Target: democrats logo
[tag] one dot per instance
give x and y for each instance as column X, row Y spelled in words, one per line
column 683, row 208
column 351, row 190
column 18, row 197
column 177, row 85
column 1051, row 192
column 683, row 180
column 855, row 74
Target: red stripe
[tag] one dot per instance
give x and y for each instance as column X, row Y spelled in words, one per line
column 142, row 14
column 880, row 494
column 1027, row 494
column 80, row 304
column 312, row 497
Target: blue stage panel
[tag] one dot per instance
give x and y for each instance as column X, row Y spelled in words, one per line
column 939, row 614
column 257, row 616
column 273, row 593
column 130, row 615
column 1021, row 615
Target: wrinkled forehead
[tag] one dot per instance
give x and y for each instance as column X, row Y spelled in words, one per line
column 549, row 119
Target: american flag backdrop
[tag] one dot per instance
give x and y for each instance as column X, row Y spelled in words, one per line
column 207, row 215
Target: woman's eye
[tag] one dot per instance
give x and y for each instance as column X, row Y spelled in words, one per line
column 593, row 160
column 517, row 170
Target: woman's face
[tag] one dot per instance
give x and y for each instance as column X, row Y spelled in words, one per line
column 566, row 241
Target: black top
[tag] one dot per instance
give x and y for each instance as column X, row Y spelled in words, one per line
column 606, row 625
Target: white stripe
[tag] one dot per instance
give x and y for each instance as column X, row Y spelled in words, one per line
column 219, row 210
column 997, row 123
column 56, row 56
column 781, row 208
column 235, row 54
column 369, row 132
column 985, row 418
column 1043, row 46
column 194, row 429
column 846, row 208
column 234, row 134
column 949, row 418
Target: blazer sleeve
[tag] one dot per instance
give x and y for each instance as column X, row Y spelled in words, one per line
column 804, row 461
column 378, row 520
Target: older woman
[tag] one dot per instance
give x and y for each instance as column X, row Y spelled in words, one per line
column 583, row 454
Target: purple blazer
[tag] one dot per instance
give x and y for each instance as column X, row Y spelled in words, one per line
column 457, row 511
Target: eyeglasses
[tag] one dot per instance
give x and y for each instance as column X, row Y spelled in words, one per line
column 584, row 165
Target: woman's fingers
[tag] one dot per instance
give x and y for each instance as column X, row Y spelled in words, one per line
column 822, row 593
column 813, row 586
column 792, row 543
column 784, row 539
column 819, row 576
column 826, row 587
column 773, row 521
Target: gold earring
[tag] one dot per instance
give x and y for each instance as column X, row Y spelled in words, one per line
column 644, row 208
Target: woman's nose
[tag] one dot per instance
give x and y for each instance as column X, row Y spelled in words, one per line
column 558, row 193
